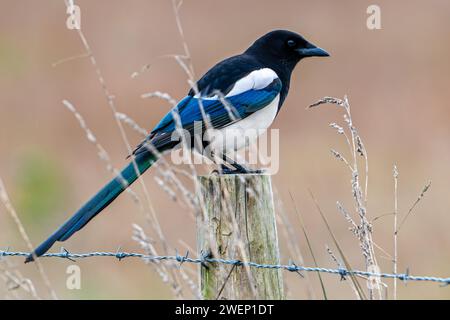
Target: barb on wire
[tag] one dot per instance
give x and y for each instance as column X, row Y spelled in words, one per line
column 292, row 267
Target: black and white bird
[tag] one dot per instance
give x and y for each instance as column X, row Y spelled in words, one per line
column 240, row 93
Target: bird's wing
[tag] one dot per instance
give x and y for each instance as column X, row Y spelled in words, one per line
column 249, row 94
column 224, row 75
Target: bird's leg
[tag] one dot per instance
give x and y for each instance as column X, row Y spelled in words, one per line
column 229, row 166
column 223, row 169
column 238, row 168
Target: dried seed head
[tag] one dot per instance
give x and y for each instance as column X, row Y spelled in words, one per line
column 337, row 155
column 324, row 100
column 359, row 146
column 395, row 171
column 339, row 129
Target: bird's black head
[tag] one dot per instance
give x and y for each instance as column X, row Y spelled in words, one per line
column 284, row 47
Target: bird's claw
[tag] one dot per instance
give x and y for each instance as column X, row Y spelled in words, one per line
column 239, row 170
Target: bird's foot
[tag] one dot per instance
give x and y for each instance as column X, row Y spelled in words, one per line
column 238, row 169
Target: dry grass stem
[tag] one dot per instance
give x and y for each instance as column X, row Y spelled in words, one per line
column 4, row 198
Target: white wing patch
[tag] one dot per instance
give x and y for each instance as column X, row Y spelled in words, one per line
column 255, row 80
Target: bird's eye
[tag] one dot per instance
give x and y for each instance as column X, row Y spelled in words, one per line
column 291, row 43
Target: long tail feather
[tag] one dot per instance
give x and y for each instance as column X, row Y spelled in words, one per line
column 97, row 203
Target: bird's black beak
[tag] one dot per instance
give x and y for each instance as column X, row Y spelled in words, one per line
column 312, row 51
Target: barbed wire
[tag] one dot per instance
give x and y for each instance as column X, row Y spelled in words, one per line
column 204, row 259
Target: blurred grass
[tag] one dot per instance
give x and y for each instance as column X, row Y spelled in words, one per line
column 12, row 60
column 41, row 189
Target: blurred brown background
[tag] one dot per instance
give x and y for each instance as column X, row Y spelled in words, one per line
column 397, row 80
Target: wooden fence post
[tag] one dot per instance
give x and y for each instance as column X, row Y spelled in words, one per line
column 238, row 222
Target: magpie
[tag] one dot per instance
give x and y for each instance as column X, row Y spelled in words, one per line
column 242, row 92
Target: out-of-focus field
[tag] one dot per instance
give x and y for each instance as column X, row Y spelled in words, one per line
column 397, row 80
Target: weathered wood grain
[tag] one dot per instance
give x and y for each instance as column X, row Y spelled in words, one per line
column 238, row 222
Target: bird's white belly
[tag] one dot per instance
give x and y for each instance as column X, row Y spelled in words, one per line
column 243, row 132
